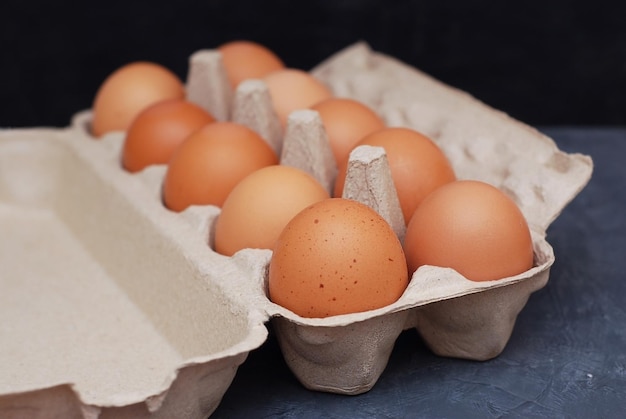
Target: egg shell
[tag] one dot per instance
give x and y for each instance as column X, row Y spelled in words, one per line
column 293, row 89
column 417, row 165
column 208, row 164
column 245, row 60
column 324, row 264
column 130, row 89
column 51, row 171
column 346, row 122
column 470, row 226
column 158, row 130
column 261, row 204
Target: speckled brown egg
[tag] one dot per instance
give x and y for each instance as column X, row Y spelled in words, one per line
column 337, row 256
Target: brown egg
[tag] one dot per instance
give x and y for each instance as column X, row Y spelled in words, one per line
column 248, row 60
column 417, row 165
column 346, row 122
column 129, row 90
column 337, row 256
column 158, row 130
column 258, row 208
column 292, row 89
column 210, row 162
column 472, row 227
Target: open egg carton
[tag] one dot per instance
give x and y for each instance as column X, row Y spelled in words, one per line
column 114, row 306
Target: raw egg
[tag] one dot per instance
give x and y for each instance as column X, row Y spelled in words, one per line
column 158, row 130
column 292, row 89
column 259, row 207
column 417, row 164
column 210, row 162
column 248, row 60
column 472, row 227
column 129, row 90
column 336, row 256
column 346, row 122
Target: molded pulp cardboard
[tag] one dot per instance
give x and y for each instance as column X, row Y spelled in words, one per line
column 114, row 306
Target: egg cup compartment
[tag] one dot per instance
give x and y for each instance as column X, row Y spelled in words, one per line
column 209, row 310
column 344, row 359
column 478, row 325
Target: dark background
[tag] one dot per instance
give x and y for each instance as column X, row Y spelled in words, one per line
column 544, row 62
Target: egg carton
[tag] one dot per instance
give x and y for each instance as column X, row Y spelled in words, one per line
column 114, row 306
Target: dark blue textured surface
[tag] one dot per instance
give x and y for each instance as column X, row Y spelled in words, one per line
column 567, row 354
